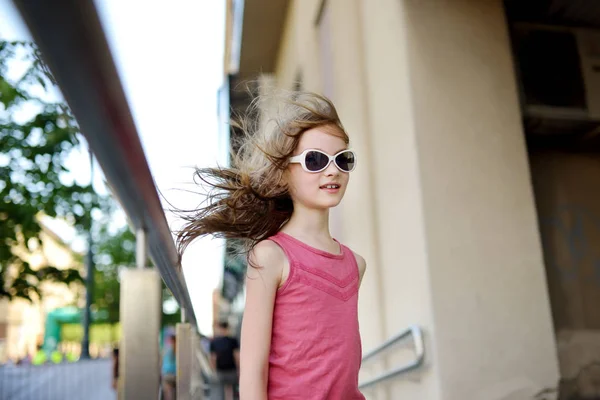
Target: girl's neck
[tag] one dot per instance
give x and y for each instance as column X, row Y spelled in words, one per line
column 309, row 225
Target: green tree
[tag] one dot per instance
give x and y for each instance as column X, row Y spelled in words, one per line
column 33, row 150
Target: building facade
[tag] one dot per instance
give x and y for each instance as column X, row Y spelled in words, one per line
column 22, row 322
column 474, row 202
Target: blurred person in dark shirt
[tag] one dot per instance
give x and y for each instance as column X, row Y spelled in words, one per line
column 225, row 360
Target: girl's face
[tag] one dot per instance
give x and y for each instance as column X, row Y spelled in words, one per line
column 310, row 189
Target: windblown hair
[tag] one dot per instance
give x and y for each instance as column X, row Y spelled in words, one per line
column 250, row 201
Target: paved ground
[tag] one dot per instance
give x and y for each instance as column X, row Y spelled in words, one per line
column 83, row 380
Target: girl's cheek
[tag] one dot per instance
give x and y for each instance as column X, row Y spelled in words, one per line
column 307, row 185
column 298, row 185
column 294, row 181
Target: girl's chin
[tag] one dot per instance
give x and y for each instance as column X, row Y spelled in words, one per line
column 320, row 201
column 322, row 205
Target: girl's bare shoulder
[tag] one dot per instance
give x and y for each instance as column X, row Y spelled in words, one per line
column 268, row 257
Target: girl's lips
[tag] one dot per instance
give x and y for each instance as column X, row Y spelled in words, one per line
column 331, row 187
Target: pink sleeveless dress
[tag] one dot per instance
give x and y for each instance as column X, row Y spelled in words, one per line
column 315, row 344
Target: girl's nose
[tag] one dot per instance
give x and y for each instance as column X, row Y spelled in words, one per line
column 331, row 170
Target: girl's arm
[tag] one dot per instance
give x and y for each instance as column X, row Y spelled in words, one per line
column 261, row 287
column 362, row 266
column 213, row 361
column 236, row 358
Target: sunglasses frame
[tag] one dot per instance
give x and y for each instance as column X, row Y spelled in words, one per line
column 301, row 159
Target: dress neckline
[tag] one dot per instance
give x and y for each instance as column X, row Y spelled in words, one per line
column 314, row 249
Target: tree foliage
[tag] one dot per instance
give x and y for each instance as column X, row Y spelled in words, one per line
column 36, row 136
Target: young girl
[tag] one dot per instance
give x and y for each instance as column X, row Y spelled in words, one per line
column 300, row 337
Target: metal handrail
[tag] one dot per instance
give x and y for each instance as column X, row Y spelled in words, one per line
column 204, row 362
column 419, row 345
column 72, row 41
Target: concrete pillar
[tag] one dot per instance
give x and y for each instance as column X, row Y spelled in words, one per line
column 460, row 250
column 356, row 229
column 184, row 353
column 139, row 355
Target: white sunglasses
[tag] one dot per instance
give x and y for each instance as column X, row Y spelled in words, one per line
column 316, row 161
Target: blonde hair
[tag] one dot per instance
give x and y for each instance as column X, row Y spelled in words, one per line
column 250, row 201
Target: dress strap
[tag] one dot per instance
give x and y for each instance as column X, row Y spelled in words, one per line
column 292, row 261
column 353, row 261
column 285, row 245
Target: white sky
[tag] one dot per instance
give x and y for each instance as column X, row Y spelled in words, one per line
column 169, row 54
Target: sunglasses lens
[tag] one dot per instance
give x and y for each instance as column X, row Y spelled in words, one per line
column 316, row 161
column 346, row 161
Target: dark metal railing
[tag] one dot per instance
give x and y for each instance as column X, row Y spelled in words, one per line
column 413, row 332
column 72, row 41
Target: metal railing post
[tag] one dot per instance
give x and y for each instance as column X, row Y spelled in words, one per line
column 89, row 279
column 197, row 381
column 141, row 249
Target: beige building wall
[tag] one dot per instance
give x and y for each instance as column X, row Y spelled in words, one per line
column 441, row 205
column 24, row 320
column 488, row 288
